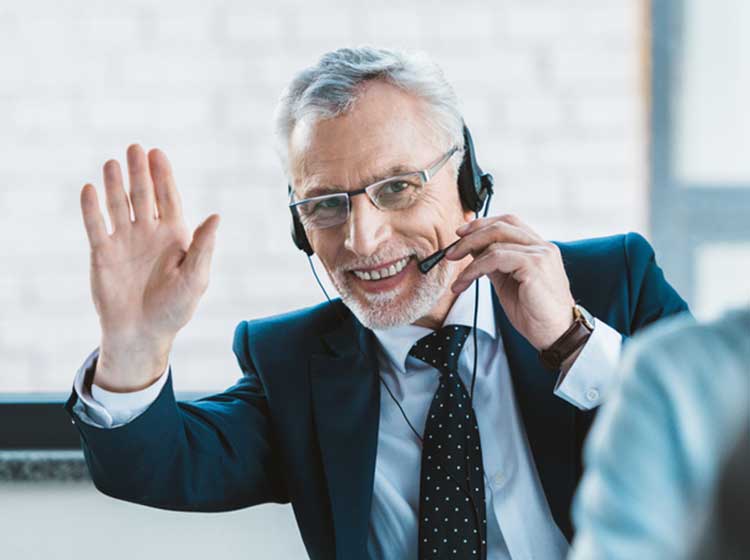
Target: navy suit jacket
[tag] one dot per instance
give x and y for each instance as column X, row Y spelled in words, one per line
column 301, row 424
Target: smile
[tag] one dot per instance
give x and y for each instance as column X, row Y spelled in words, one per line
column 380, row 273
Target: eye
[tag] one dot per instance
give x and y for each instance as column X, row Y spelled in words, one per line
column 327, row 204
column 395, row 187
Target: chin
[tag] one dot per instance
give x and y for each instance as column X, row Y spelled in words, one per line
column 397, row 307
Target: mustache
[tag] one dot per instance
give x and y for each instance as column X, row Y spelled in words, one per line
column 377, row 260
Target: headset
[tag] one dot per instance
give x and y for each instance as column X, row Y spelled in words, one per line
column 474, row 187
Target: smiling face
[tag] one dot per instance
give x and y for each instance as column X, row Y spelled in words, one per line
column 371, row 258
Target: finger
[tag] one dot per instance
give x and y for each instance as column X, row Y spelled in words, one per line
column 506, row 261
column 481, row 237
column 510, row 219
column 118, row 205
column 198, row 259
column 141, row 186
column 93, row 221
column 514, row 220
column 168, row 200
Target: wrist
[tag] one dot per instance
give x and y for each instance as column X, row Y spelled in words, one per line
column 564, row 350
column 123, row 369
column 566, row 318
column 554, row 333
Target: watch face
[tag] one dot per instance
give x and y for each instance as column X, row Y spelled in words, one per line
column 588, row 318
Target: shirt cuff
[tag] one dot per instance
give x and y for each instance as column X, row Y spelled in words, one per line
column 589, row 379
column 106, row 409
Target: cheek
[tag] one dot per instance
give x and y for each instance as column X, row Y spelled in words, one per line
column 430, row 211
column 326, row 245
column 438, row 213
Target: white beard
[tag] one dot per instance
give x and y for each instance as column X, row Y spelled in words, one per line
column 393, row 308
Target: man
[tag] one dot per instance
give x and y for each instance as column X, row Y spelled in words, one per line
column 656, row 450
column 363, row 412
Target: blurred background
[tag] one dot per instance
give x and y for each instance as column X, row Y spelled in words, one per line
column 596, row 117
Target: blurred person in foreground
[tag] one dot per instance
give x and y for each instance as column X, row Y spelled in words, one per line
column 654, row 455
column 364, row 412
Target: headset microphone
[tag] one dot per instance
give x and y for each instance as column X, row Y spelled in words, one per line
column 425, row 265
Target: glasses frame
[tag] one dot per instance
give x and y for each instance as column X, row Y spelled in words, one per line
column 425, row 176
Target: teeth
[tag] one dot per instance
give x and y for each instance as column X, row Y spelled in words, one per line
column 381, row 273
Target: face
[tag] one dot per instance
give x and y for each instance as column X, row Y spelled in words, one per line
column 385, row 133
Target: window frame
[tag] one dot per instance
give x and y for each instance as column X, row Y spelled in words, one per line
column 682, row 214
column 39, row 421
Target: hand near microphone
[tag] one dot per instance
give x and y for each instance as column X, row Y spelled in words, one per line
column 526, row 272
column 148, row 275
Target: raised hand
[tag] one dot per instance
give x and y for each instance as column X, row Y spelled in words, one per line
column 148, row 275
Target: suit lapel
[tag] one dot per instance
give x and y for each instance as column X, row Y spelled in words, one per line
column 346, row 404
column 548, row 420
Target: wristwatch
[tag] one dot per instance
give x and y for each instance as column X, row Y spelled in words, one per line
column 570, row 341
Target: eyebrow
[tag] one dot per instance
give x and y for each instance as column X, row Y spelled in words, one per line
column 320, row 190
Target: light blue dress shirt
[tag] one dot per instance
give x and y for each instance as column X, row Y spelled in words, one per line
column 520, row 525
column 655, row 450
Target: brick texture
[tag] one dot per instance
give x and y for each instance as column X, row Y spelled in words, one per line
column 551, row 90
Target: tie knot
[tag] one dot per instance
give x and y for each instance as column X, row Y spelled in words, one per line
column 441, row 348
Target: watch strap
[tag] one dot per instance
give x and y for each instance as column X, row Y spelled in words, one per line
column 570, row 341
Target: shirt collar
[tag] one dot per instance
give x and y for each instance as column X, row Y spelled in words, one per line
column 396, row 342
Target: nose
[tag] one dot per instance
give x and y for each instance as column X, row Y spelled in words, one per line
column 367, row 227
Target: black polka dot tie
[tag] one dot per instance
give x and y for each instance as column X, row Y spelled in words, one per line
column 452, row 515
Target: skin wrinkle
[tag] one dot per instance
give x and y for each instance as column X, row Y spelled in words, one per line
column 386, row 127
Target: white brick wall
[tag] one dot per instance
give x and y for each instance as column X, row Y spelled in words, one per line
column 550, row 89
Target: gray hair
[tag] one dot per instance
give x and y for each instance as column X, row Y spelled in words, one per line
column 330, row 89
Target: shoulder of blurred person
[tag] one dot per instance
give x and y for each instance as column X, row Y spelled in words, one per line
column 653, row 455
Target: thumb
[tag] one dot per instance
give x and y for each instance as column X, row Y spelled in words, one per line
column 198, row 258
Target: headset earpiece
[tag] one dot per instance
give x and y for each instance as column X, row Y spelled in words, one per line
column 473, row 185
column 299, row 237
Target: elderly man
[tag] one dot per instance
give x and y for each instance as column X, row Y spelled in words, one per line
column 364, row 412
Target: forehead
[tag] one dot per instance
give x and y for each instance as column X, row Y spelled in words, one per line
column 385, row 132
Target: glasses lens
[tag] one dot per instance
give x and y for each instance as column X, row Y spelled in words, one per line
column 324, row 211
column 398, row 193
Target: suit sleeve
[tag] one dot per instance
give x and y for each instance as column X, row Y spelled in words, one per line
column 651, row 297
column 217, row 453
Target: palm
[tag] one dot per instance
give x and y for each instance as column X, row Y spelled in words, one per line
column 132, row 282
column 146, row 276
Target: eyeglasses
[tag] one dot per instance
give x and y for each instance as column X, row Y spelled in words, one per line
column 394, row 193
